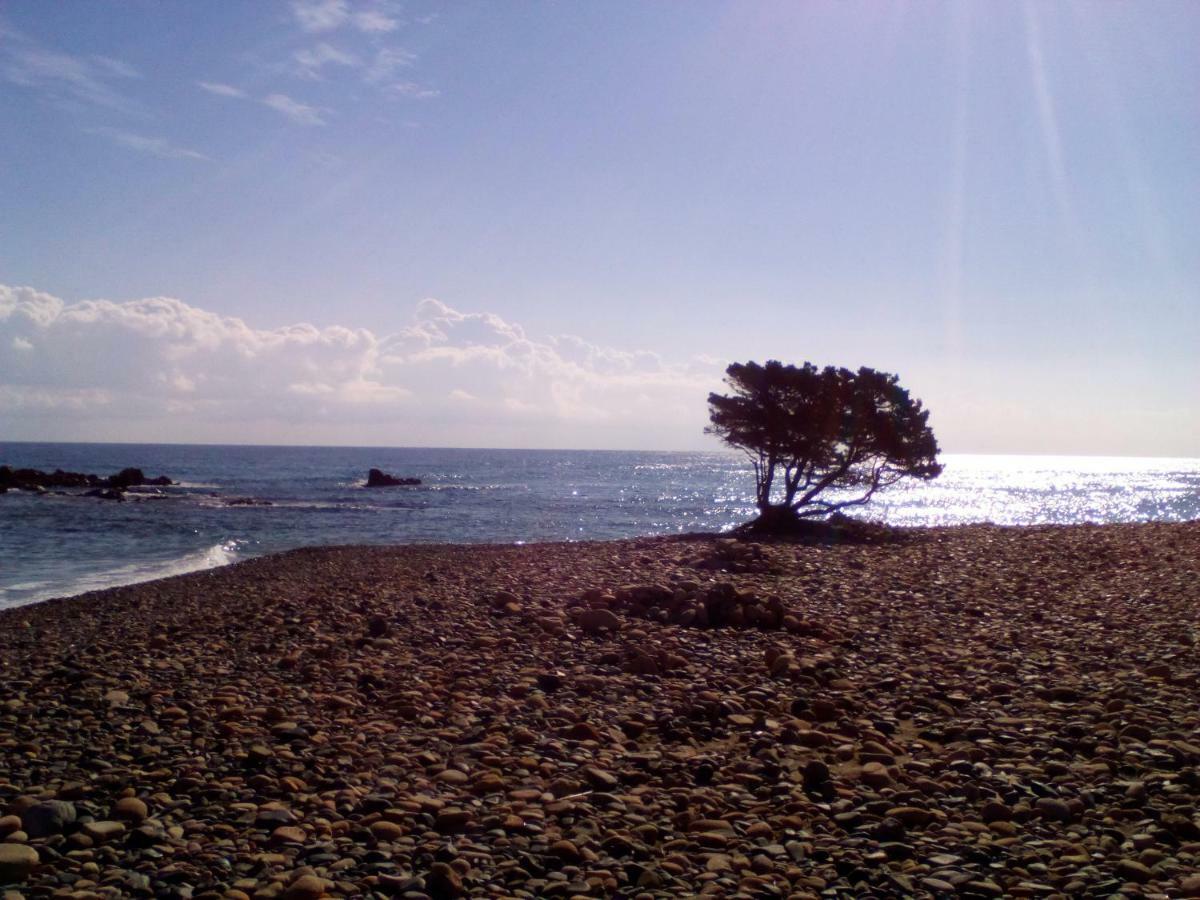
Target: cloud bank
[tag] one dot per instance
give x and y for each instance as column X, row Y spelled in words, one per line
column 160, row 369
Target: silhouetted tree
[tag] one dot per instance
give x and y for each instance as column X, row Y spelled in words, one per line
column 810, row 430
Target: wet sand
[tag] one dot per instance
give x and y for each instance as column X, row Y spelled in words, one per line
column 975, row 712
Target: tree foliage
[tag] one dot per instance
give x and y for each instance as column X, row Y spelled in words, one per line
column 810, row 431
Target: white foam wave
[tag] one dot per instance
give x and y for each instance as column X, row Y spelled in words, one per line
column 134, row 573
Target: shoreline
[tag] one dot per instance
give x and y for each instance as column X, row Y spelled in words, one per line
column 205, row 564
column 975, row 710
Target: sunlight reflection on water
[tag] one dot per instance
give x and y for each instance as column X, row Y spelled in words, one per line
column 1031, row 490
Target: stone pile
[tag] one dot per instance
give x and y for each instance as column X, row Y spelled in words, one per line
column 692, row 604
column 729, row 555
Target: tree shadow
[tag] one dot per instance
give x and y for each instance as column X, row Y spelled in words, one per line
column 836, row 529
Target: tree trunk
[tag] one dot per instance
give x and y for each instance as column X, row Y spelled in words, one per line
column 776, row 518
column 765, row 482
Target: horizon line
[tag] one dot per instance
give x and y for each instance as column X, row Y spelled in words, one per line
column 728, row 450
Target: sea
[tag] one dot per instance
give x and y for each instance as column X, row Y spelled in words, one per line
column 236, row 502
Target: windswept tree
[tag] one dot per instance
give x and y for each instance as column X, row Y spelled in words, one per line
column 821, row 440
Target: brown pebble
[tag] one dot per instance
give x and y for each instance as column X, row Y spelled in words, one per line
column 443, row 882
column 131, row 809
column 100, row 832
column 1054, row 809
column 17, row 862
column 288, row 834
column 912, row 816
column 995, row 811
column 386, row 831
column 1132, row 870
column 306, row 887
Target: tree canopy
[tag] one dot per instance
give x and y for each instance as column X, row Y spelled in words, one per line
column 821, row 440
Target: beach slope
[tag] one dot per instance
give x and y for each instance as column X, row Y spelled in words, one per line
column 974, row 711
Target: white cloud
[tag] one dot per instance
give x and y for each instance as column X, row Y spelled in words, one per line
column 300, row 113
column 313, row 59
column 374, row 64
column 385, row 62
column 154, row 146
column 450, row 376
column 116, row 67
column 42, row 400
column 375, row 21
column 321, row 15
column 221, row 90
column 62, row 76
column 328, row 15
column 413, row 91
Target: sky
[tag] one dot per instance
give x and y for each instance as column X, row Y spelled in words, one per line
column 555, row 224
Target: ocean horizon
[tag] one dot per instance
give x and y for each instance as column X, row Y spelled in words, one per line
column 233, row 502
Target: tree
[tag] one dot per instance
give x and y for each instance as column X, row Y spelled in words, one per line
column 809, row 431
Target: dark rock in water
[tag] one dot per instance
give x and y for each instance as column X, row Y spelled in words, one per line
column 379, row 478
column 106, row 493
column 38, row 481
column 128, row 478
column 247, row 501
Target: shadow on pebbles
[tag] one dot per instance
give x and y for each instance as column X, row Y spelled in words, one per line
column 969, row 712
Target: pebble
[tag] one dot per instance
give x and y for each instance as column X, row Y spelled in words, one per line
column 131, row 809
column 17, row 861
column 102, row 832
column 957, row 712
column 47, row 818
column 306, row 887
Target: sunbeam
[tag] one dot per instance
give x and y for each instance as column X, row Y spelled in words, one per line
column 1073, row 233
column 1151, row 225
column 956, row 213
column 1047, row 117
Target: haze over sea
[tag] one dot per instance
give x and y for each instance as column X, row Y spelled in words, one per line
column 236, row 502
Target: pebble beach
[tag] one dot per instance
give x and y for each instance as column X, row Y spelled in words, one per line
column 973, row 711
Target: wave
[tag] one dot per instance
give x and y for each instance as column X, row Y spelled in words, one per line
column 434, row 486
column 135, row 573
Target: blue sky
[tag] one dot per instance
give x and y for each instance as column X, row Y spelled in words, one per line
column 554, row 224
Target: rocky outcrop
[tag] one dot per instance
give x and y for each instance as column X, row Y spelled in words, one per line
column 379, row 478
column 37, row 480
column 128, row 478
column 106, row 493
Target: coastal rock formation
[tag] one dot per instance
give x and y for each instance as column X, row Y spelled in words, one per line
column 972, row 712
column 106, row 493
column 37, row 480
column 379, row 478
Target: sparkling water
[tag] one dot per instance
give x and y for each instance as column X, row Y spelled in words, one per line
column 290, row 497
